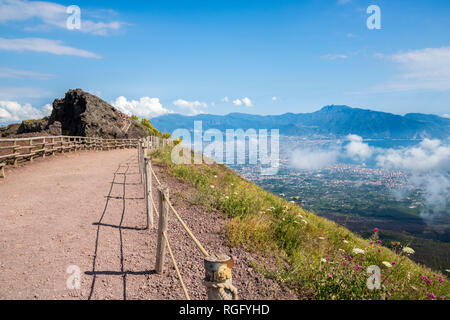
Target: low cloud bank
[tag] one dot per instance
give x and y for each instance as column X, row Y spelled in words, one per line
column 313, row 159
column 428, row 164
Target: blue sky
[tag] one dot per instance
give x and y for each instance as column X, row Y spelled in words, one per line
column 261, row 57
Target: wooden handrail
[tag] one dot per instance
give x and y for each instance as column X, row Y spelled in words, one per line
column 51, row 144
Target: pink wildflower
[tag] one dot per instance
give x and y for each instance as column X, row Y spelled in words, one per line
column 431, row 296
column 376, row 229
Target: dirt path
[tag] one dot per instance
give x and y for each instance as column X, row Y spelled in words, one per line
column 87, row 210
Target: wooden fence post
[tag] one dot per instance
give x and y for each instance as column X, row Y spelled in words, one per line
column 148, row 191
column 218, row 279
column 142, row 161
column 31, row 150
column 15, row 158
column 139, row 159
column 43, row 147
column 162, row 228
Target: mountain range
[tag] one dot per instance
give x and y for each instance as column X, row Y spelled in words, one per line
column 332, row 121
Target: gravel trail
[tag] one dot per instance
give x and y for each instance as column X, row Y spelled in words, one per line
column 86, row 210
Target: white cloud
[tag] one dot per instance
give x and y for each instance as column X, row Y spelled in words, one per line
column 192, row 106
column 247, row 102
column 425, row 69
column 274, row 98
column 244, row 101
column 20, row 74
column 428, row 155
column 51, row 14
column 357, row 148
column 446, row 116
column 47, row 109
column 429, row 165
column 237, row 102
column 225, row 99
column 310, row 159
column 43, row 45
column 13, row 111
column 334, row 56
column 144, row 107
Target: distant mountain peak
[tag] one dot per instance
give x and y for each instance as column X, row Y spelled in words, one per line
column 334, row 107
column 332, row 121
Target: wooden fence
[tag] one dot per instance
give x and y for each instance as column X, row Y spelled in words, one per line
column 14, row 151
column 218, row 279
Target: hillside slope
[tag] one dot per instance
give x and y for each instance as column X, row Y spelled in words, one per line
column 313, row 254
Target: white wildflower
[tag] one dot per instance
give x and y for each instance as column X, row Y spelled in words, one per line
column 212, row 187
column 387, row 264
column 358, row 251
column 408, row 250
column 304, row 221
column 344, row 241
column 321, row 238
column 323, row 260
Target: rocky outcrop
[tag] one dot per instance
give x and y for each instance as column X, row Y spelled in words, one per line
column 80, row 113
column 9, row 130
column 83, row 114
column 29, row 126
column 55, row 129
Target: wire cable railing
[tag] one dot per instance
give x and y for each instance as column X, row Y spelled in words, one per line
column 217, row 267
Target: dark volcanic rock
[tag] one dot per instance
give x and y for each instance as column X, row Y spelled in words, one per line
column 55, row 129
column 79, row 114
column 9, row 130
column 83, row 114
column 29, row 126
